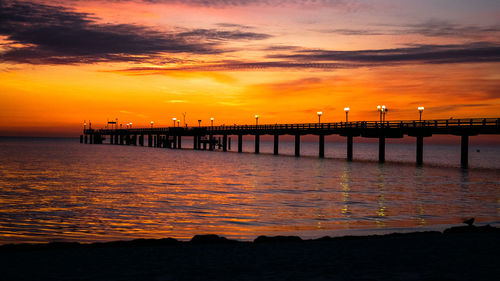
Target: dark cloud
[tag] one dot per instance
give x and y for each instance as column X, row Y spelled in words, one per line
column 473, row 53
column 346, row 31
column 223, row 35
column 440, row 28
column 234, row 25
column 55, row 35
column 431, row 28
column 274, row 48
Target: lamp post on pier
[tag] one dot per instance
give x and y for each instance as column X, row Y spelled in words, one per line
column 382, row 110
column 319, row 116
column 256, row 120
column 212, row 122
column 178, row 123
column 173, row 120
column 84, row 125
column 199, row 123
column 420, row 110
column 346, row 109
column 152, row 124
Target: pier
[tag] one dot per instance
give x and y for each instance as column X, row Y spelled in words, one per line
column 210, row 137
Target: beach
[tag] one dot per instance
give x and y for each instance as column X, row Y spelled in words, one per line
column 462, row 253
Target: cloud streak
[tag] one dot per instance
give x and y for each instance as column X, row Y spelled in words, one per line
column 331, row 60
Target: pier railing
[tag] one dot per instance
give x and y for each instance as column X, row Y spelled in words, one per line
column 398, row 124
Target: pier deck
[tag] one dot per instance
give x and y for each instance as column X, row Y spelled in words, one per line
column 204, row 137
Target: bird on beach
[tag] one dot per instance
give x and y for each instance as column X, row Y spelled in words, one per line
column 469, row 222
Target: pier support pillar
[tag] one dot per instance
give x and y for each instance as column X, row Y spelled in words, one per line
column 229, row 143
column 420, row 150
column 224, row 143
column 195, row 142
column 116, row 139
column 464, row 155
column 257, row 144
column 150, row 140
column 174, row 142
column 198, row 140
column 211, row 143
column 121, row 140
column 81, row 138
column 321, row 146
column 91, row 138
column 349, row 148
column 381, row 149
column 240, row 143
column 276, row 144
column 134, row 140
column 111, row 139
column 86, row 139
column 179, row 142
column 297, row 145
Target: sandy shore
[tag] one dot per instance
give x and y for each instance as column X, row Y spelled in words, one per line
column 462, row 253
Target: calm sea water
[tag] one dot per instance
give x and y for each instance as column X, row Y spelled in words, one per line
column 61, row 190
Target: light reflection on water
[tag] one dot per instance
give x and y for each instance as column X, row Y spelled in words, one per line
column 53, row 190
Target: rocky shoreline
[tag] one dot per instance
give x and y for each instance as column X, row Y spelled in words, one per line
column 458, row 253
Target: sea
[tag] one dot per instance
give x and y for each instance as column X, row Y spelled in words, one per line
column 59, row 190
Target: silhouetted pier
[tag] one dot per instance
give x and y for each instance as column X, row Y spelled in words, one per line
column 210, row 137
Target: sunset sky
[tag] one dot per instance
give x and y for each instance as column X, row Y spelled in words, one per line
column 63, row 62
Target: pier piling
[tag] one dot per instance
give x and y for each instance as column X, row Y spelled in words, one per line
column 381, row 149
column 420, row 150
column 257, row 144
column 240, row 143
column 297, row 145
column 464, row 154
column 349, row 147
column 276, row 144
column 321, row 146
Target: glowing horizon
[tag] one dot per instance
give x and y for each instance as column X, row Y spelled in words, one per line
column 63, row 62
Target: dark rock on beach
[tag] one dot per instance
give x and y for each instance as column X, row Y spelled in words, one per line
column 211, row 239
column 277, row 239
column 469, row 253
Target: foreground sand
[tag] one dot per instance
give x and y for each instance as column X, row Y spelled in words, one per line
column 465, row 253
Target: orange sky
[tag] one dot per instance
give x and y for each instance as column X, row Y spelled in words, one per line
column 63, row 62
